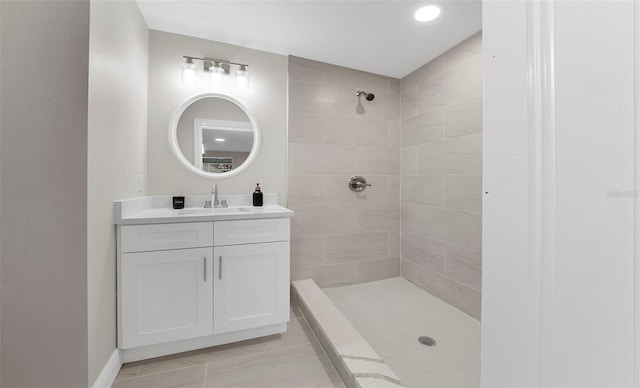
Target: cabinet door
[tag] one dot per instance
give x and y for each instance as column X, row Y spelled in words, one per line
column 166, row 296
column 251, row 286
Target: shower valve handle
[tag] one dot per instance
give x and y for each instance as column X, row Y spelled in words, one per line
column 357, row 183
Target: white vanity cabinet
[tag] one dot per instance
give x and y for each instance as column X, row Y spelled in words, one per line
column 166, row 282
column 199, row 282
column 251, row 259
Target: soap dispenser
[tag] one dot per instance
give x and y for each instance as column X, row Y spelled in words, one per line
column 257, row 196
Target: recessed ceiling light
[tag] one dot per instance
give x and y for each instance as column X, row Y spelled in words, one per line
column 219, row 139
column 428, row 13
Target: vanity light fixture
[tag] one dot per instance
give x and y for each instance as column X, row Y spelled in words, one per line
column 219, row 139
column 217, row 69
column 216, row 73
column 189, row 71
column 242, row 77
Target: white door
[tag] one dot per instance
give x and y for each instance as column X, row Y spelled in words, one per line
column 166, row 296
column 251, row 286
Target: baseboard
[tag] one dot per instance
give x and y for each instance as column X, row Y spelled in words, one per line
column 110, row 370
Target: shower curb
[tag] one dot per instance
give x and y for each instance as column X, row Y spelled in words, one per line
column 357, row 363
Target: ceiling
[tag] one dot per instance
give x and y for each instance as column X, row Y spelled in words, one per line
column 381, row 37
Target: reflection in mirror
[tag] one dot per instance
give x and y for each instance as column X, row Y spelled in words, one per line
column 221, row 145
column 215, row 135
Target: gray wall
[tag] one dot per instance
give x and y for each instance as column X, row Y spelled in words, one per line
column 266, row 98
column 117, row 143
column 43, row 183
column 441, row 183
column 337, row 236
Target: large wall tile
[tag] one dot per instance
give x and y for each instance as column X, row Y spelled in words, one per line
column 319, row 220
column 457, row 156
column 306, row 70
column 316, row 159
column 378, row 161
column 409, row 270
column 469, row 49
column 394, row 244
column 337, row 190
column 463, row 192
column 409, row 101
column 463, row 118
column 345, row 248
column 360, row 80
column 409, row 161
column 464, row 266
column 425, row 128
column 306, row 128
column 333, row 135
column 393, row 187
column 369, row 271
column 356, row 131
column 305, row 190
column 441, row 176
column 423, row 189
column 394, row 137
column 426, row 252
column 394, row 85
column 378, row 217
column 328, row 275
column 432, row 69
column 386, row 106
column 461, row 228
column 457, row 84
column 307, row 251
column 307, row 98
column 464, row 298
column 409, row 217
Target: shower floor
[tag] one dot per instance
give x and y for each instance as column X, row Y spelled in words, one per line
column 391, row 314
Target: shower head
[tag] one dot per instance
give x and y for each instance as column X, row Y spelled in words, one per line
column 367, row 96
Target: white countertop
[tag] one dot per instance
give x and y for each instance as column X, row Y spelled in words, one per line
column 158, row 210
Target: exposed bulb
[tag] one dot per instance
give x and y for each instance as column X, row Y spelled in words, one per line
column 242, row 77
column 189, row 72
column 216, row 74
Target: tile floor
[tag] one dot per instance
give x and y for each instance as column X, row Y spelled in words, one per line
column 292, row 359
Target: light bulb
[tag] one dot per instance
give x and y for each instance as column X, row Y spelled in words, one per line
column 242, row 77
column 189, row 72
column 216, row 73
column 428, row 13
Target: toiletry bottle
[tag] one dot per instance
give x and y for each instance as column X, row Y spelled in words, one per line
column 257, row 196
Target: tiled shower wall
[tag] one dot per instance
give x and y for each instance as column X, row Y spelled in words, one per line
column 337, row 236
column 441, row 176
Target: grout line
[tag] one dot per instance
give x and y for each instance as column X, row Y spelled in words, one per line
column 164, row 371
column 206, row 370
column 139, row 368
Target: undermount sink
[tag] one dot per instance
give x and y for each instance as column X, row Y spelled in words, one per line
column 218, row 210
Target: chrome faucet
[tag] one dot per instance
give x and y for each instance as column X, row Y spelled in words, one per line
column 214, row 195
column 215, row 203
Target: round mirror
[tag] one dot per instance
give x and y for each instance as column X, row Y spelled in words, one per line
column 214, row 135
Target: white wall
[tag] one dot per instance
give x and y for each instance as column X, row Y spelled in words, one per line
column 117, row 131
column 560, row 249
column 43, row 180
column 267, row 98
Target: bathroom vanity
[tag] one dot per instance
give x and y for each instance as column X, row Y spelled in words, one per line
column 197, row 277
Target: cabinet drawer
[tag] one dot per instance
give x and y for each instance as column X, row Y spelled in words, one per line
column 251, row 231
column 139, row 238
